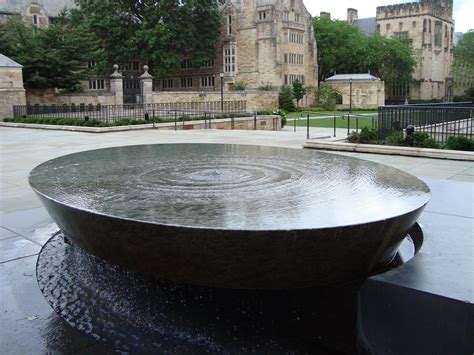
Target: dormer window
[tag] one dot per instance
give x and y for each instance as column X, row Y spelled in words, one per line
column 262, row 15
column 286, row 16
column 36, row 20
column 297, row 18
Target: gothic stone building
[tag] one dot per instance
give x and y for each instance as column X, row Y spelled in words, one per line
column 429, row 26
column 39, row 13
column 262, row 42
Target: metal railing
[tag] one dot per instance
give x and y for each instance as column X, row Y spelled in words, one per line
column 439, row 121
column 112, row 113
column 350, row 118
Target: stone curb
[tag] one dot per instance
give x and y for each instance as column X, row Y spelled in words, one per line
column 391, row 150
column 165, row 126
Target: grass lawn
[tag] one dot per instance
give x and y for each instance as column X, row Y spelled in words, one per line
column 321, row 120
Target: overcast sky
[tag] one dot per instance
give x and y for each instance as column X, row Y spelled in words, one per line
column 463, row 9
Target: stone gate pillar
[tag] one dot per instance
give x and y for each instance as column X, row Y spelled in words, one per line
column 116, row 85
column 147, row 86
column 11, row 87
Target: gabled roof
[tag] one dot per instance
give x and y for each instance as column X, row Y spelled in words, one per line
column 52, row 7
column 366, row 25
column 6, row 62
column 234, row 3
column 354, row 77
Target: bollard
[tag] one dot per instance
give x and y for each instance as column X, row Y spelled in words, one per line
column 335, row 119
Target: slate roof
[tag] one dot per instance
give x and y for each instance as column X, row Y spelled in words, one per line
column 366, row 25
column 7, row 62
column 52, row 7
column 354, row 77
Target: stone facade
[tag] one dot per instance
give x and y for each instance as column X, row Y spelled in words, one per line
column 11, row 86
column 429, row 26
column 256, row 100
column 365, row 91
column 262, row 42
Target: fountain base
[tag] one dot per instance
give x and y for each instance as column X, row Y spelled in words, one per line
column 135, row 313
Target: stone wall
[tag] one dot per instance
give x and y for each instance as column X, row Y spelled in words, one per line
column 365, row 94
column 11, row 90
column 50, row 97
column 256, row 100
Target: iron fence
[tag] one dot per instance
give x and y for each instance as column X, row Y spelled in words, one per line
column 112, row 113
column 439, row 121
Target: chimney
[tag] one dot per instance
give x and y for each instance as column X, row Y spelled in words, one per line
column 324, row 14
column 352, row 15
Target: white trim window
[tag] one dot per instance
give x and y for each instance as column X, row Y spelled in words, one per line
column 167, row 83
column 208, row 64
column 207, row 81
column 289, row 79
column 97, row 84
column 230, row 60
column 187, row 82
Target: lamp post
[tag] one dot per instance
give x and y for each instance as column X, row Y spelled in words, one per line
column 222, row 90
column 350, row 96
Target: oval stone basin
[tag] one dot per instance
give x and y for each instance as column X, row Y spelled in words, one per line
column 233, row 216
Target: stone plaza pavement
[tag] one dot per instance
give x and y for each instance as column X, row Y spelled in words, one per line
column 28, row 324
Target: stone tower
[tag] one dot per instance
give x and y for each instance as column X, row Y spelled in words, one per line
column 429, row 26
column 352, row 14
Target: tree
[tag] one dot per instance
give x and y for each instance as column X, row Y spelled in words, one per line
column 54, row 57
column 158, row 32
column 298, row 91
column 463, row 66
column 390, row 59
column 286, row 98
column 340, row 47
column 345, row 49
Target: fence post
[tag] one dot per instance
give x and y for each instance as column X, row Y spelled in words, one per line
column 175, row 120
column 255, row 121
column 335, row 126
column 348, row 123
column 307, row 126
column 116, row 85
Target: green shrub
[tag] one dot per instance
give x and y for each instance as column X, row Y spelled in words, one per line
column 353, row 137
column 240, row 86
column 421, row 140
column 368, row 135
column 365, row 136
column 327, row 96
column 396, row 138
column 286, row 99
column 265, row 86
column 459, row 143
column 462, row 98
